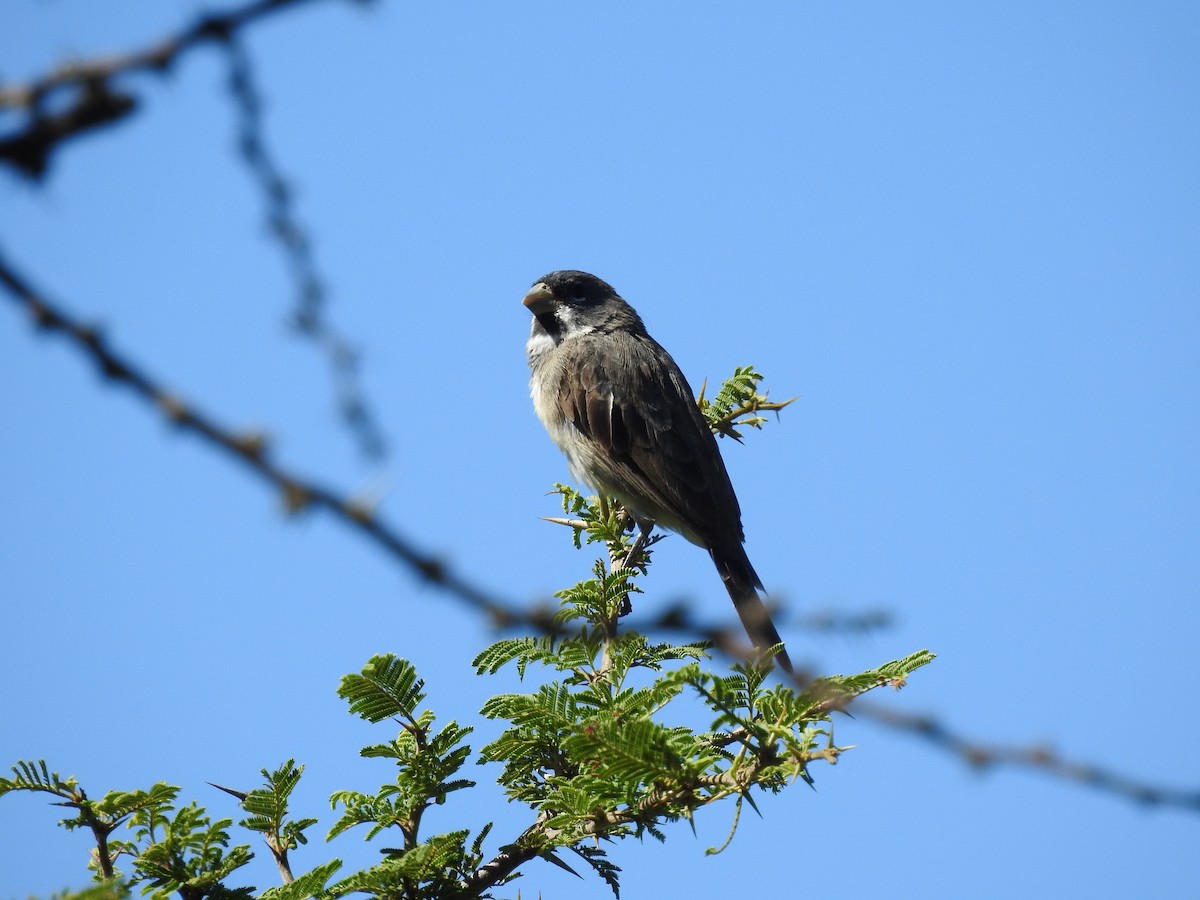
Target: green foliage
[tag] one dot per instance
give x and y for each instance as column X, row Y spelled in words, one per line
column 268, row 808
column 101, row 817
column 435, row 868
column 591, row 751
column 618, row 736
column 186, row 852
column 738, row 403
column 112, row 889
column 310, row 884
column 599, row 520
column 388, row 687
column 35, row 776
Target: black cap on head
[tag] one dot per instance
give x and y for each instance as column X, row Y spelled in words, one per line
column 571, row 284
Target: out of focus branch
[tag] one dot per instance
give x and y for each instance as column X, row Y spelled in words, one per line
column 251, row 450
column 96, row 104
column 81, row 96
column 294, row 239
column 1039, row 758
column 92, row 100
column 678, row 619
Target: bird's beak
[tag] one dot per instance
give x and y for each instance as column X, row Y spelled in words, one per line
column 540, row 299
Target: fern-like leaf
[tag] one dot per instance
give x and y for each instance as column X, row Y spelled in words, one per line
column 36, row 776
column 601, row 865
column 310, row 884
column 737, row 404
column 388, row 687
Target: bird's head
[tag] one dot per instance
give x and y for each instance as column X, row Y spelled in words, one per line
column 569, row 303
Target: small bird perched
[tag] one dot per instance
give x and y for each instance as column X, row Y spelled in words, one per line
column 617, row 405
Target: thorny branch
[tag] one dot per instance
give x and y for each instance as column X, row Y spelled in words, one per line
column 1032, row 756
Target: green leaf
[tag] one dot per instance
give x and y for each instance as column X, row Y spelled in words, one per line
column 35, row 776
column 388, row 687
column 438, row 864
column 737, row 404
column 310, row 884
column 109, row 889
column 188, row 853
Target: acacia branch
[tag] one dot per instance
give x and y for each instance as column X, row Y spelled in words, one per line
column 499, row 869
column 977, row 754
column 727, row 424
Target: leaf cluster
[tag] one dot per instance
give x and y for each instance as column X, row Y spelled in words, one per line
column 173, row 849
column 595, row 753
column 738, row 404
column 427, row 763
column 600, row 749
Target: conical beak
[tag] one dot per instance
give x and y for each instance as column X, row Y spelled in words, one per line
column 539, row 300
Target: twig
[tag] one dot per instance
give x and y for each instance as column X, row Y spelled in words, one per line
column 312, row 295
column 92, row 100
column 1037, row 757
column 727, row 424
column 977, row 754
column 95, row 101
column 501, row 867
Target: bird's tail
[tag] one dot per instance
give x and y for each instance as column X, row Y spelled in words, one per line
column 744, row 585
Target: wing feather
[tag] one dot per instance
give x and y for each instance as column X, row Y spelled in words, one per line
column 655, row 451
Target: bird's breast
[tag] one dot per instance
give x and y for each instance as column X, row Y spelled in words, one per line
column 545, row 380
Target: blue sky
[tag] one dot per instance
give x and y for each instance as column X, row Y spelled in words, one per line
column 964, row 234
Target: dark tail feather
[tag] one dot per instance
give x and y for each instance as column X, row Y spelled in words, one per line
column 743, row 585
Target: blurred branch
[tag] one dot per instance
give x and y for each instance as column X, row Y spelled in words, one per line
column 296, row 243
column 1040, row 758
column 93, row 101
column 252, row 450
column 678, row 619
column 96, row 104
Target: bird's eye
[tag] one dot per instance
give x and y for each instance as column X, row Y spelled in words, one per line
column 582, row 297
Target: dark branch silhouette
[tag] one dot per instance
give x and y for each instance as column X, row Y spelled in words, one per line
column 1040, row 758
column 311, row 292
column 96, row 104
column 95, row 101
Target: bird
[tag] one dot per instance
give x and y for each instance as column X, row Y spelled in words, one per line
column 619, row 408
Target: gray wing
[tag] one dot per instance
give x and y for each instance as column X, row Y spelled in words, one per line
column 654, row 451
column 627, row 397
